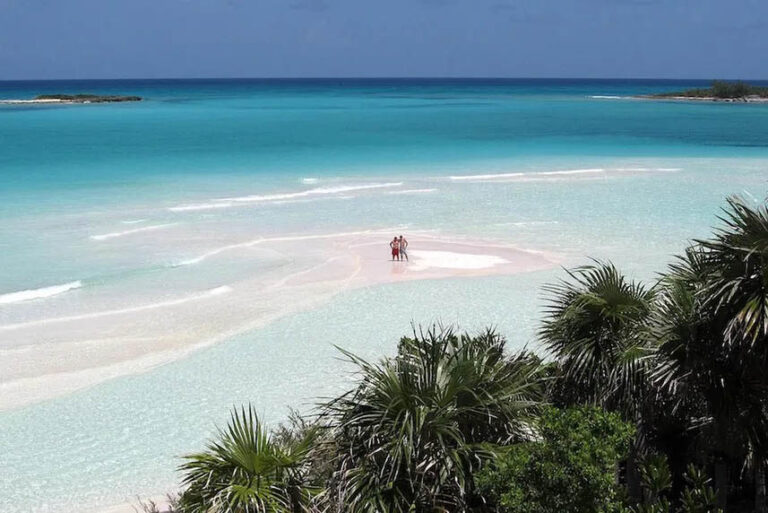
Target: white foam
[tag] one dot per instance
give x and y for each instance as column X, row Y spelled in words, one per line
column 209, row 293
column 257, row 198
column 422, row 259
column 508, row 176
column 309, row 181
column 551, row 175
column 27, row 295
column 412, row 191
column 134, row 221
column 312, row 192
column 199, row 206
column 113, row 235
column 485, row 177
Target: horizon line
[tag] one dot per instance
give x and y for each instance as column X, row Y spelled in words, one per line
column 94, row 79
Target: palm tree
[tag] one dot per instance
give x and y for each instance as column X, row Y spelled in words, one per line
column 245, row 471
column 737, row 285
column 594, row 326
column 416, row 427
column 712, row 331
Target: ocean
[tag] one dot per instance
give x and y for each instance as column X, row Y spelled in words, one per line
column 152, row 254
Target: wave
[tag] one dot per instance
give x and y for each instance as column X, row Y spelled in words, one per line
column 309, row 181
column 312, row 192
column 508, row 176
column 532, row 176
column 412, row 191
column 208, row 293
column 113, row 235
column 256, row 198
column 199, row 206
column 133, row 221
column 290, row 238
column 27, row 295
column 485, row 177
column 607, row 97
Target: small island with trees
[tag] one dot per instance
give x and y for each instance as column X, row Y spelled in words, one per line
column 75, row 98
column 719, row 91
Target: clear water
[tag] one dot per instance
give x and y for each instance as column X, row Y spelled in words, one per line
column 70, row 173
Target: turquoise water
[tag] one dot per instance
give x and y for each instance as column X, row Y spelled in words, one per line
column 325, row 156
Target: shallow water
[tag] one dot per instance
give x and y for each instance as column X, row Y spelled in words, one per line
column 114, row 207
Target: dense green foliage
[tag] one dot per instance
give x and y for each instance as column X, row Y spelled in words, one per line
column 453, row 423
column 245, row 470
column 569, row 468
column 409, row 435
column 720, row 89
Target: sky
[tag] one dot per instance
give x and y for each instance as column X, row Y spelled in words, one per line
column 58, row 39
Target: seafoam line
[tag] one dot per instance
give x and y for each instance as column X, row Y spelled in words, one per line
column 531, row 176
column 114, row 235
column 257, row 198
column 43, row 292
column 209, row 293
column 506, row 176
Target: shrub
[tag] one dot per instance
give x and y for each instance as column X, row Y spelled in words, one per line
column 570, row 468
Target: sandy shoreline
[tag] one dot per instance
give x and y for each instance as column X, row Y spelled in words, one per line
column 51, row 357
column 24, row 102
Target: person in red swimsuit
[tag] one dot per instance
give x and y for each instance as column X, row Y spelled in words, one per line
column 395, row 245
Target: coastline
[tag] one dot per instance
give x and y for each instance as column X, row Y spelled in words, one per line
column 706, row 99
column 70, row 99
column 34, row 102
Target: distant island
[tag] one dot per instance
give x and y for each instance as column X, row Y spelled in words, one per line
column 75, row 98
column 720, row 91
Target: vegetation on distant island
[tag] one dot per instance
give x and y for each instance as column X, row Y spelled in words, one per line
column 651, row 399
column 88, row 98
column 720, row 89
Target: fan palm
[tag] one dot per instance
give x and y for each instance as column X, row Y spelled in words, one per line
column 712, row 329
column 413, row 431
column 737, row 260
column 594, row 324
column 245, row 471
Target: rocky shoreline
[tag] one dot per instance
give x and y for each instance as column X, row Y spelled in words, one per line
column 713, row 99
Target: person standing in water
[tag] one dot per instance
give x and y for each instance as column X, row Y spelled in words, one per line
column 403, row 247
column 395, row 245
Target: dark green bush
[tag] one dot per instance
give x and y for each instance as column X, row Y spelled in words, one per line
column 570, row 467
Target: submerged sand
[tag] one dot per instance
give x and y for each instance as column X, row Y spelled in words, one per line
column 54, row 356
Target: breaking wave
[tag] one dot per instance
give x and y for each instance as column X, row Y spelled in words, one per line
column 44, row 292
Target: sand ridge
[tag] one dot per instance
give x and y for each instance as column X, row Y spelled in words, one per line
column 55, row 356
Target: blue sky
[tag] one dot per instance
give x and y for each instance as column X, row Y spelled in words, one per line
column 401, row 38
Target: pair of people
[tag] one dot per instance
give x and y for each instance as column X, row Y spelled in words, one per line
column 399, row 248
